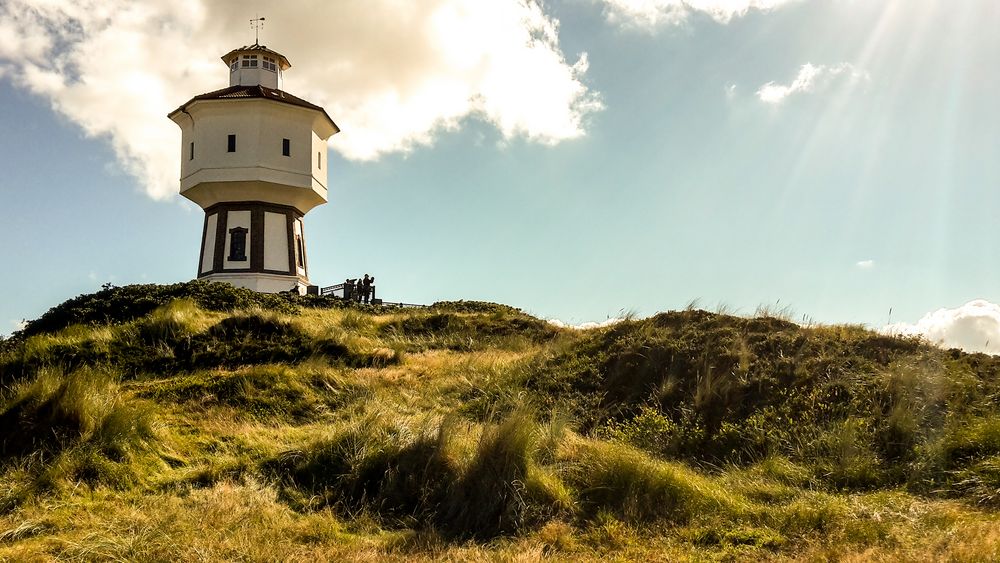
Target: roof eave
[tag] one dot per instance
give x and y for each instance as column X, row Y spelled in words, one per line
column 282, row 60
column 183, row 108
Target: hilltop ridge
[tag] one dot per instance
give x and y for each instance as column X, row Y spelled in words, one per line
column 309, row 428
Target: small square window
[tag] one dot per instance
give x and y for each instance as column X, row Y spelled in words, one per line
column 286, row 147
column 231, row 147
column 191, row 155
column 235, row 64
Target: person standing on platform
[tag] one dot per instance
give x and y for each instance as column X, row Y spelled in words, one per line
column 348, row 289
column 366, row 288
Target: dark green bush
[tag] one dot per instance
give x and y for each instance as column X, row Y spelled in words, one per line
column 57, row 411
column 401, row 477
column 862, row 409
column 271, row 391
column 126, row 303
column 462, row 331
column 478, row 307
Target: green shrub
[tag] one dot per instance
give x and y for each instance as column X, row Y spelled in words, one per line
column 177, row 319
column 261, row 392
column 374, row 465
column 401, row 475
column 639, row 488
column 464, row 331
column 126, row 303
column 649, row 430
column 478, row 307
column 843, row 456
column 58, row 411
column 499, row 492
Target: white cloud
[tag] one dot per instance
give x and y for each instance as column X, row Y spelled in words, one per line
column 392, row 74
column 651, row 14
column 865, row 264
column 585, row 326
column 973, row 327
column 810, row 78
column 16, row 324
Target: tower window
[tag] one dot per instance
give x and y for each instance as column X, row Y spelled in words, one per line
column 300, row 252
column 235, row 64
column 286, row 147
column 249, row 61
column 268, row 64
column 191, row 155
column 237, row 244
column 319, row 160
column 231, row 144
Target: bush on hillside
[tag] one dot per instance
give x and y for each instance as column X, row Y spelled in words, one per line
column 58, row 411
column 476, row 307
column 862, row 409
column 122, row 304
column 265, row 392
column 405, row 477
column 179, row 337
column 463, row 331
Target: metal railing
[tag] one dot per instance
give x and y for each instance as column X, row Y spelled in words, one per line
column 348, row 291
column 332, row 291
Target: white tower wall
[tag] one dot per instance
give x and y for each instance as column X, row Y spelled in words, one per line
column 257, row 169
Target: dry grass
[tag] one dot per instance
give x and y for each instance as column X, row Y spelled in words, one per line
column 434, row 448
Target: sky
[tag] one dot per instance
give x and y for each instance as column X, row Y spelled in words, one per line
column 578, row 159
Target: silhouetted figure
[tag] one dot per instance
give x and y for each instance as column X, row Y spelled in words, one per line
column 366, row 288
column 371, row 286
column 349, row 291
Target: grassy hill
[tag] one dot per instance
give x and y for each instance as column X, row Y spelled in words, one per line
column 201, row 422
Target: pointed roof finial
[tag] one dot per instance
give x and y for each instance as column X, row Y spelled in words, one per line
column 257, row 23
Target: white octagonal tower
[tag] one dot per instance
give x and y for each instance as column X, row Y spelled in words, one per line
column 252, row 156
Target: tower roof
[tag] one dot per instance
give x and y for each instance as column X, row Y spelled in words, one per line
column 258, row 91
column 283, row 63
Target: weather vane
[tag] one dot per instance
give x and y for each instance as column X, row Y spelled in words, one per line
column 256, row 24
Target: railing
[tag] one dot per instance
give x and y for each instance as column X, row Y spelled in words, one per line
column 400, row 304
column 332, row 290
column 347, row 291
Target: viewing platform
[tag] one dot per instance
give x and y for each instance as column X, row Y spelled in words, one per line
column 352, row 292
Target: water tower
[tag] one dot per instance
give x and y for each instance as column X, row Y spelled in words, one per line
column 253, row 157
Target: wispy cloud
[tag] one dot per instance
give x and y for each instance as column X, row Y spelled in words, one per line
column 810, row 78
column 865, row 264
column 585, row 326
column 973, row 327
column 394, row 78
column 16, row 325
column 649, row 15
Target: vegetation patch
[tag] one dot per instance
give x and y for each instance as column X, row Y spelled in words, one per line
column 259, row 392
column 501, row 328
column 122, row 304
column 308, row 428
